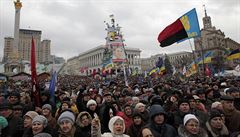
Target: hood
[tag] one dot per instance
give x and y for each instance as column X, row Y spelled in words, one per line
column 79, row 122
column 113, row 120
column 156, row 109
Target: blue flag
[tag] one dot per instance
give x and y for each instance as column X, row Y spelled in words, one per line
column 52, row 86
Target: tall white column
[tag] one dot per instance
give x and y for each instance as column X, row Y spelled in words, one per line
column 18, row 6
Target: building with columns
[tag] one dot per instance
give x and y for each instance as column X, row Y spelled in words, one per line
column 85, row 63
column 149, row 63
column 180, row 59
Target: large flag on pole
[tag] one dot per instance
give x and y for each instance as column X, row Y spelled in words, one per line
column 185, row 27
column 35, row 91
column 52, row 86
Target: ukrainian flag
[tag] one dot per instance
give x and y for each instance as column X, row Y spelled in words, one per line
column 235, row 54
column 153, row 71
column 207, row 58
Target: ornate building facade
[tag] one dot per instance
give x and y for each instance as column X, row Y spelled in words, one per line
column 213, row 39
column 91, row 60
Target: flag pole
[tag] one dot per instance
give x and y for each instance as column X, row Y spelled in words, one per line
column 203, row 66
column 193, row 53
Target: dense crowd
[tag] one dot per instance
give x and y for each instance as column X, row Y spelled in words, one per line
column 84, row 106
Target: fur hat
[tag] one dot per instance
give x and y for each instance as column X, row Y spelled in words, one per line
column 214, row 113
column 67, row 115
column 47, row 106
column 3, row 122
column 41, row 119
column 139, row 105
column 31, row 114
column 6, row 105
column 79, row 117
column 215, row 104
column 189, row 117
column 182, row 101
column 91, row 102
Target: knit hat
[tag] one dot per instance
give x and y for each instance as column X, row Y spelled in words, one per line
column 41, row 119
column 15, row 93
column 91, row 102
column 5, row 105
column 112, row 122
column 43, row 135
column 135, row 114
column 3, row 122
column 47, row 106
column 31, row 114
column 139, row 105
column 214, row 113
column 67, row 115
column 189, row 117
column 182, row 101
column 231, row 90
column 215, row 104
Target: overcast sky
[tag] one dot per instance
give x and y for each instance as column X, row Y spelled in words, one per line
column 75, row 26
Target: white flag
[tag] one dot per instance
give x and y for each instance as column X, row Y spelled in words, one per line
column 184, row 70
column 237, row 68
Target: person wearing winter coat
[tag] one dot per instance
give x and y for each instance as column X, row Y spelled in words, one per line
column 3, row 124
column 92, row 108
column 15, row 124
column 231, row 114
column 39, row 125
column 66, row 123
column 116, row 126
column 27, row 121
column 47, row 112
column 141, row 108
column 158, row 125
column 215, row 126
column 138, row 123
column 191, row 127
column 83, row 122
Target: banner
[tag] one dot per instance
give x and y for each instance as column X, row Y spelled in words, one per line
column 185, row 27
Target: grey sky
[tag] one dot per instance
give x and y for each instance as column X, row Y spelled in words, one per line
column 75, row 26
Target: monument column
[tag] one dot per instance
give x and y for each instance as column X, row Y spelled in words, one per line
column 18, row 6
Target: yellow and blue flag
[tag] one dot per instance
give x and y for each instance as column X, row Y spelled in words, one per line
column 235, row 54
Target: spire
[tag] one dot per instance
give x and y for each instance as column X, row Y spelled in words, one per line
column 206, row 20
column 205, row 11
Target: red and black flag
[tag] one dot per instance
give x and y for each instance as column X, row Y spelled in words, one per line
column 186, row 26
column 35, row 91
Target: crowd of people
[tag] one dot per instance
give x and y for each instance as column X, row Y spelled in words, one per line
column 84, row 106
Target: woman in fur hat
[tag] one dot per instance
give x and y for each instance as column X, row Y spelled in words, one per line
column 83, row 122
column 191, row 127
column 215, row 126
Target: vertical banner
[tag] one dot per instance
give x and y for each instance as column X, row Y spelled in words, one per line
column 35, row 91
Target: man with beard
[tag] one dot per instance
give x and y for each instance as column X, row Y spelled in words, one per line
column 231, row 114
